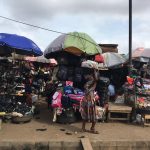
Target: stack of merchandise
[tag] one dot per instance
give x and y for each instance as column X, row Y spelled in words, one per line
column 146, row 83
column 65, row 101
column 102, row 90
column 69, row 68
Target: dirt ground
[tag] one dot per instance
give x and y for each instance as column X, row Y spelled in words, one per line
column 53, row 131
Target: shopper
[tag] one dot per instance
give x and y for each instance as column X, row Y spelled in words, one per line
column 88, row 104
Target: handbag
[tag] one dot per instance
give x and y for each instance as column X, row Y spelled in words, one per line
column 56, row 100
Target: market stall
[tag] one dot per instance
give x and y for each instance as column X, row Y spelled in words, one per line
column 13, row 93
column 72, row 52
column 137, row 95
column 12, row 90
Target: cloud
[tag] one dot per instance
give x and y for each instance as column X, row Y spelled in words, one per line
column 106, row 21
column 38, row 9
column 140, row 7
column 41, row 9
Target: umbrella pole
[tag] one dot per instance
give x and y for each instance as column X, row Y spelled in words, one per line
column 14, row 57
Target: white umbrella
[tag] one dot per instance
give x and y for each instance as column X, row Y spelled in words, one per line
column 112, row 59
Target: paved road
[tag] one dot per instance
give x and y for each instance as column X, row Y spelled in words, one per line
column 114, row 131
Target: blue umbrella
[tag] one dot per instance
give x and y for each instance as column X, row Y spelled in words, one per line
column 19, row 44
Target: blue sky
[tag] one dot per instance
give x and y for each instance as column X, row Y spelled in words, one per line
column 106, row 21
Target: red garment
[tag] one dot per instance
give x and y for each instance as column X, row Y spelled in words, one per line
column 99, row 58
column 130, row 80
column 141, row 100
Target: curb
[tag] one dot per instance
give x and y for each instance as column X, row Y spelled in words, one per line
column 75, row 145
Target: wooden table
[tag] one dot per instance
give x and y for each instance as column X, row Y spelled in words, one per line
column 146, row 119
column 119, row 109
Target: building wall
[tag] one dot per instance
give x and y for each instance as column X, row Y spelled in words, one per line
column 109, row 48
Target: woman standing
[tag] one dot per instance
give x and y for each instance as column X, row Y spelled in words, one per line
column 88, row 104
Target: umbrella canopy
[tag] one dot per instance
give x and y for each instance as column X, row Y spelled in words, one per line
column 19, row 44
column 40, row 59
column 76, row 43
column 141, row 54
column 112, row 59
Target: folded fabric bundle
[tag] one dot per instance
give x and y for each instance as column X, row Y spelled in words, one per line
column 93, row 64
column 15, row 114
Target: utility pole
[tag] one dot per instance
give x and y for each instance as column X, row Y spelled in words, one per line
column 130, row 33
column 130, row 58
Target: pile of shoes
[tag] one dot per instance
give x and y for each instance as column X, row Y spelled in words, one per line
column 9, row 104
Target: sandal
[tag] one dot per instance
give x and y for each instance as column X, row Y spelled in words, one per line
column 94, row 132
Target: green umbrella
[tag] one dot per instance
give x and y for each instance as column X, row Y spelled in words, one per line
column 76, row 43
column 81, row 42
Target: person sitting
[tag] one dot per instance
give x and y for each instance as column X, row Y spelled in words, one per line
column 111, row 92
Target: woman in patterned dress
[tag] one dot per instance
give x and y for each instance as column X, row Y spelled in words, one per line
column 88, row 104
